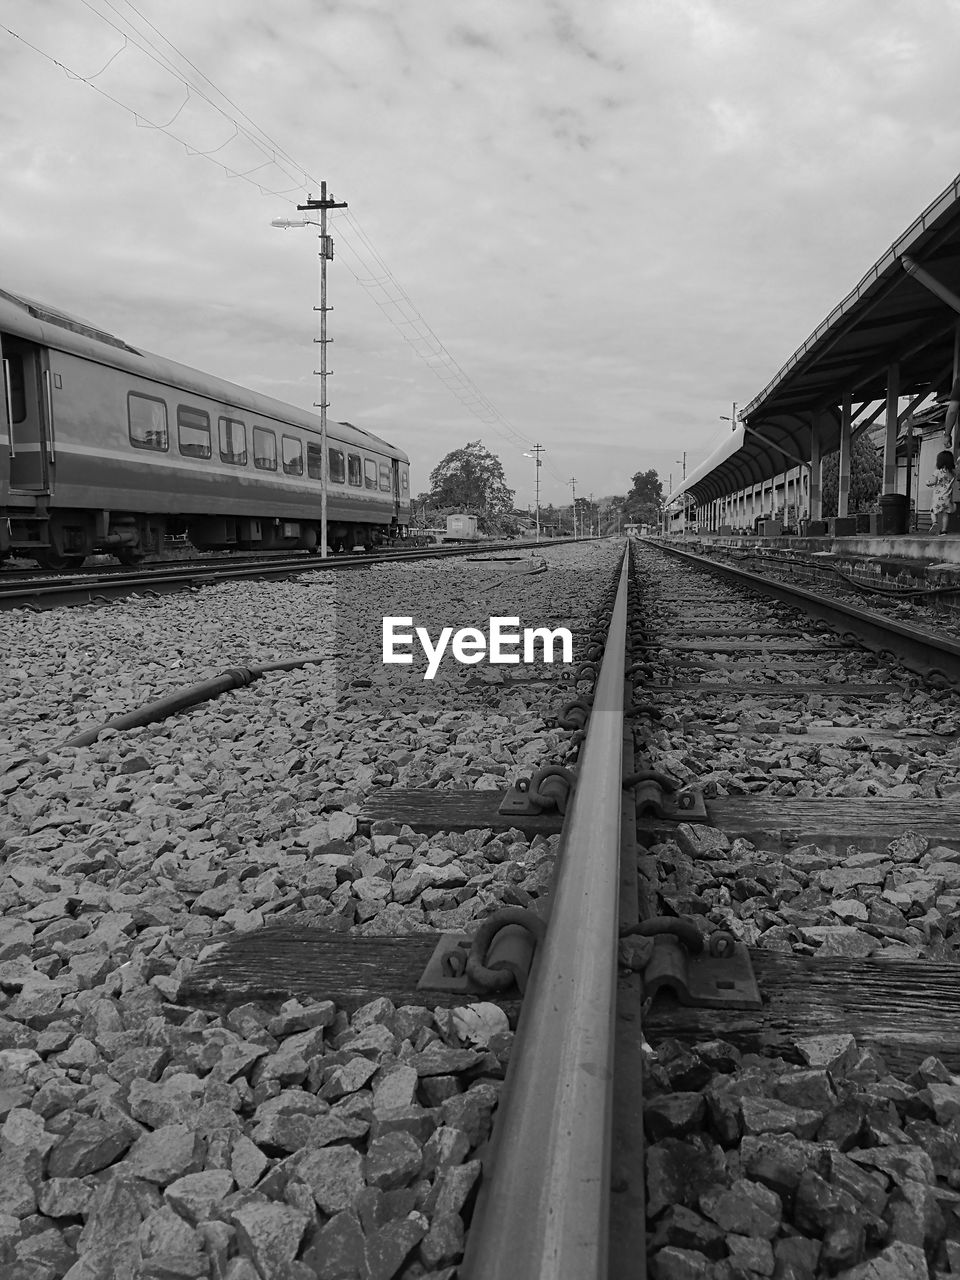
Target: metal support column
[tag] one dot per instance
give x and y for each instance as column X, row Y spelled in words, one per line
column 890, row 437
column 816, row 499
column 843, row 480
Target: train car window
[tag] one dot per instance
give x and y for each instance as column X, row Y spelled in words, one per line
column 404, row 480
column 193, row 431
column 386, row 480
column 354, row 470
column 292, row 456
column 147, row 418
column 369, row 473
column 264, row 449
column 16, row 387
column 314, row 462
column 338, row 472
column 233, row 442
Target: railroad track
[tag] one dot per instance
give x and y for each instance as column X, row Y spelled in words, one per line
column 768, row 1129
column 124, row 859
column 904, row 586
column 50, row 590
column 843, row 1006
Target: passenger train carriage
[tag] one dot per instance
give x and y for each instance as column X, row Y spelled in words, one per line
column 104, row 448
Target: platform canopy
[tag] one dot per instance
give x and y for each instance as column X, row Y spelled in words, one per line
column 894, row 315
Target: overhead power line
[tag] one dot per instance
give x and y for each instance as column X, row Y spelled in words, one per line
column 371, row 272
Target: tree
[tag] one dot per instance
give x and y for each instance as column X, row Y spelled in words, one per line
column 471, row 479
column 419, row 508
column 587, row 516
column 866, row 476
column 549, row 519
column 611, row 514
column 643, row 502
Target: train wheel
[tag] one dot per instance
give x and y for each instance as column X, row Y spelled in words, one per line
column 132, row 557
column 58, row 561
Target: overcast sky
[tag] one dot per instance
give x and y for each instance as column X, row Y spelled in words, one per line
column 604, row 221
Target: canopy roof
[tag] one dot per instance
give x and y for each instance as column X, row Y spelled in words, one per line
column 890, row 316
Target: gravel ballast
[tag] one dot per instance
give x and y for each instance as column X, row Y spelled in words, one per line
column 139, row 1137
column 823, row 1162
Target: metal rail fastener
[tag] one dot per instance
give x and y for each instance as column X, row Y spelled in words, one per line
column 544, row 1204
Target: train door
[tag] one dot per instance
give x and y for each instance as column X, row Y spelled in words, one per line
column 25, row 379
column 396, row 492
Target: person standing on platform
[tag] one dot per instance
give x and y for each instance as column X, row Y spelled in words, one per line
column 944, row 479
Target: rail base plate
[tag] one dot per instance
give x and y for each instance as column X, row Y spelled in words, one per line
column 512, row 948
column 703, row 981
column 517, row 802
column 446, row 968
column 682, row 806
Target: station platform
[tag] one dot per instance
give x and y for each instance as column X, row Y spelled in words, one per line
column 928, row 557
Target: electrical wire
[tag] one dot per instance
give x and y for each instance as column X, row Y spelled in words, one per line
column 373, row 274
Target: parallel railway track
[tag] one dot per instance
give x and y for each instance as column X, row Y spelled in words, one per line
column 51, row 590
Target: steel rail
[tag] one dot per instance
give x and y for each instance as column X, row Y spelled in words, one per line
column 920, row 650
column 216, row 561
column 49, row 593
column 544, row 1204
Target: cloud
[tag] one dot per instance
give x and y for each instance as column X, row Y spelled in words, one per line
column 617, row 218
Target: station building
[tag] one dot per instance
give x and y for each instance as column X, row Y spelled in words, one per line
column 882, row 362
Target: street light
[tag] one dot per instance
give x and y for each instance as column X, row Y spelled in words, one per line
column 732, row 418
column 326, row 252
column 537, row 450
column 683, row 497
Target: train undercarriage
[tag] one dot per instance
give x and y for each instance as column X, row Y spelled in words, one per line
column 62, row 540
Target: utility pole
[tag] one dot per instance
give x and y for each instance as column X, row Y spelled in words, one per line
column 573, row 486
column 326, row 252
column 537, row 450
column 591, row 516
